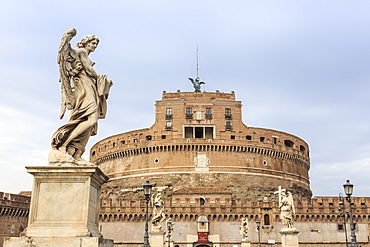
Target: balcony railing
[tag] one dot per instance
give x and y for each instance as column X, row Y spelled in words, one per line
column 228, row 116
column 189, row 116
column 209, row 116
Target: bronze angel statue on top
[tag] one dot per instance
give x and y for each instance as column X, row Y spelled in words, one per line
column 84, row 93
column 196, row 83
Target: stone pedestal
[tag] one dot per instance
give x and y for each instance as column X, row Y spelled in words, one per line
column 246, row 243
column 156, row 239
column 289, row 238
column 64, row 208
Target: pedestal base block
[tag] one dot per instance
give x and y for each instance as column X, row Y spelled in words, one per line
column 65, row 202
column 57, row 242
column 289, row 238
column 156, row 239
column 246, row 243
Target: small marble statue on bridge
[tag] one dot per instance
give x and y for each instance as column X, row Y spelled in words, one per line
column 243, row 228
column 158, row 212
column 286, row 206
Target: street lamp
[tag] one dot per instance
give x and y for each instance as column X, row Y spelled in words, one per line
column 147, row 190
column 258, row 233
column 169, row 231
column 343, row 214
column 348, row 189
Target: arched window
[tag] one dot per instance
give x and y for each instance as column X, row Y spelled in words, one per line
column 289, row 143
column 202, row 201
column 266, row 220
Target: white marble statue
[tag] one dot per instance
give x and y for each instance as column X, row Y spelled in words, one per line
column 158, row 212
column 243, row 228
column 286, row 206
column 84, row 93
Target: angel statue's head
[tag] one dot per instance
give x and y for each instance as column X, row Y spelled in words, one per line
column 89, row 42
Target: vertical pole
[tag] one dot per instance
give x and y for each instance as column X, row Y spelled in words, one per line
column 258, row 233
column 197, row 62
column 146, row 235
column 353, row 235
column 169, row 240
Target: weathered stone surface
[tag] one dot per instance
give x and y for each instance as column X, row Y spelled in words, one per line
column 58, row 242
column 65, row 202
column 289, row 238
column 156, row 239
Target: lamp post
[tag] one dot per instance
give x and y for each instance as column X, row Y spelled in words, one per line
column 169, row 231
column 147, row 190
column 348, row 189
column 343, row 214
column 258, row 233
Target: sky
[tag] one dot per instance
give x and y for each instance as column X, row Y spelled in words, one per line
column 302, row 67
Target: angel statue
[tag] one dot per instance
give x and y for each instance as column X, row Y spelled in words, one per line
column 196, row 83
column 286, row 207
column 243, row 228
column 158, row 212
column 84, row 93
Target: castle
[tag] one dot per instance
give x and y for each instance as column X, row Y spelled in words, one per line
column 213, row 169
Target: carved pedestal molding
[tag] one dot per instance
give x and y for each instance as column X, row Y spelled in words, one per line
column 156, row 238
column 64, row 208
column 289, row 238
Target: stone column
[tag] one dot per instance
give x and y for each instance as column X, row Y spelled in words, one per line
column 64, row 208
column 289, row 238
column 156, row 238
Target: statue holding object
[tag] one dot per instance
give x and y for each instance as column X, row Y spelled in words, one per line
column 286, row 206
column 84, row 93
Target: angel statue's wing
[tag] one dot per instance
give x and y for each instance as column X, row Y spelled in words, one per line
column 290, row 200
column 67, row 68
column 192, row 80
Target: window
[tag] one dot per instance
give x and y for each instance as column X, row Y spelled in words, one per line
column 275, row 140
column 169, row 113
column 249, row 138
column 168, row 125
column 199, row 132
column 202, row 201
column 289, row 143
column 189, row 113
column 208, row 113
column 228, row 114
column 163, row 136
column 228, row 126
column 266, row 219
column 262, row 139
column 135, row 140
column 340, row 227
column 302, row 149
column 189, row 132
column 148, row 138
column 232, row 137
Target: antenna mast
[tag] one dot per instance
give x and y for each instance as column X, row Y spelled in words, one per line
column 197, row 62
column 196, row 82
